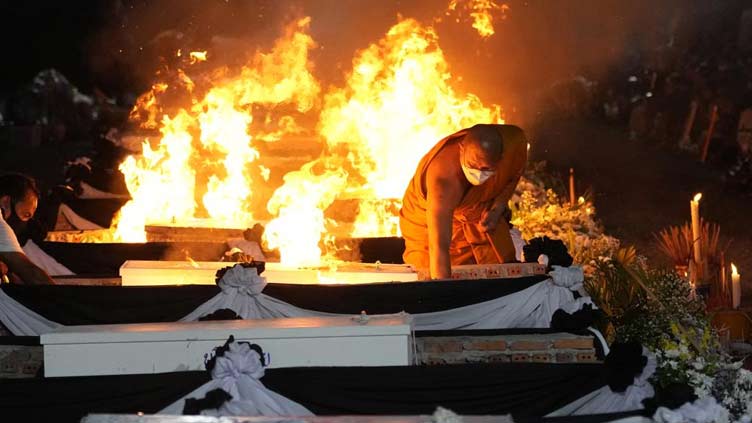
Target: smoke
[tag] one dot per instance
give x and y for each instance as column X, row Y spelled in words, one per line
column 537, row 43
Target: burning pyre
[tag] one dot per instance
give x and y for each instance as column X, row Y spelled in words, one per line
column 213, row 155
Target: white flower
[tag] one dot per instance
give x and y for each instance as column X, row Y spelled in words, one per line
column 671, row 353
column 699, row 364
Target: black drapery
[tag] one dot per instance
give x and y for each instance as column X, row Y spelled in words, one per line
column 528, row 391
column 106, row 258
column 88, row 305
column 96, row 210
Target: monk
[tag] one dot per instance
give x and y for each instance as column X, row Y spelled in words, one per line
column 452, row 209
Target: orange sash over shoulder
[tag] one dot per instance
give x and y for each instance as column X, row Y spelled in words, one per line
column 469, row 244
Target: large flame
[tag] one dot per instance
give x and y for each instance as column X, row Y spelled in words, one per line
column 299, row 206
column 211, row 143
column 397, row 102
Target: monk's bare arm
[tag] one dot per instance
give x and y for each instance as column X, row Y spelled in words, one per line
column 444, row 192
column 511, row 169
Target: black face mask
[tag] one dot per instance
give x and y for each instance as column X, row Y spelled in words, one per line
column 20, row 228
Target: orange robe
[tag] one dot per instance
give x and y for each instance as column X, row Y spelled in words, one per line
column 469, row 244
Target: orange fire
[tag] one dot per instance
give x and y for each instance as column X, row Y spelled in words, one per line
column 398, row 100
column 397, row 103
column 197, row 56
column 482, row 12
column 211, row 142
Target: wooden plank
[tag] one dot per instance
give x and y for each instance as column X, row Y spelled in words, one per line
column 190, row 234
column 87, row 280
column 491, row 271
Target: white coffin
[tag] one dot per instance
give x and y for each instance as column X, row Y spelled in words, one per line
column 142, row 272
column 169, row 347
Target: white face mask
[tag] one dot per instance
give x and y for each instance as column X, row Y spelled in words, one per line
column 476, row 176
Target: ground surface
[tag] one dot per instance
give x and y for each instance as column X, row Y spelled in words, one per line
column 639, row 189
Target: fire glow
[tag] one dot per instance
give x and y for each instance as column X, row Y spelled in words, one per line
column 397, row 101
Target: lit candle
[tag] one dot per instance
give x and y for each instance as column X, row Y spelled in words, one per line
column 571, row 187
column 696, row 229
column 736, row 287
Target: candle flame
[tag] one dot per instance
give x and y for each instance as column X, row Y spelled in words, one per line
column 697, row 198
column 734, row 270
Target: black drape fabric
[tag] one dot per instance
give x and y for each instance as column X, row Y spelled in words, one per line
column 385, row 250
column 96, row 210
column 106, row 258
column 88, row 305
column 97, row 305
column 525, row 390
column 68, row 399
column 521, row 389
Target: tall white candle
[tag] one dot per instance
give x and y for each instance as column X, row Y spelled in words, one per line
column 696, row 229
column 736, row 287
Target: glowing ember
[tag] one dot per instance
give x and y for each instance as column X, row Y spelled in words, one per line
column 482, row 13
column 197, row 56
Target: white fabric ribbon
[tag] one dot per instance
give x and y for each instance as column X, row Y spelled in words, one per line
column 530, row 308
column 518, row 242
column 21, row 321
column 237, row 372
column 239, row 280
column 76, row 220
column 242, row 293
column 604, row 400
column 703, row 410
column 568, row 277
column 89, row 192
column 44, row 260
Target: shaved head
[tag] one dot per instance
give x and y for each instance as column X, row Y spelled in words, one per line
column 483, row 145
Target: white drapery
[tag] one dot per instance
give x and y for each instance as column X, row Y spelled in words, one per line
column 242, row 293
column 21, row 321
column 530, row 308
column 604, row 400
column 45, row 261
column 76, row 220
column 237, row 372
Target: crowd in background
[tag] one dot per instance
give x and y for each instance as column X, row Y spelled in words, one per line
column 694, row 100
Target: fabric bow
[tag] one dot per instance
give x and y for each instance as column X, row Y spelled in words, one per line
column 242, row 280
column 238, row 360
column 567, row 277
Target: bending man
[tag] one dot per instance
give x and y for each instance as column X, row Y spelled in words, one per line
column 452, row 209
column 18, row 201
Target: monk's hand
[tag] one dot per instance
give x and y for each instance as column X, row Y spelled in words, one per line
column 489, row 219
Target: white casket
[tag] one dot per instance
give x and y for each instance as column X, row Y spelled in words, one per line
column 170, row 347
column 143, row 272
